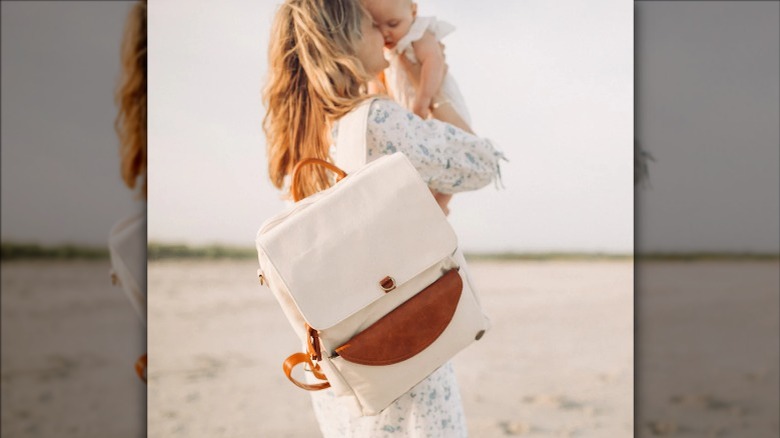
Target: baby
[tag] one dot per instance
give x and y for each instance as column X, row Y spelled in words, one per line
column 416, row 38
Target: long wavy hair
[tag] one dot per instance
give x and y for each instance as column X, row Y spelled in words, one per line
column 130, row 122
column 314, row 79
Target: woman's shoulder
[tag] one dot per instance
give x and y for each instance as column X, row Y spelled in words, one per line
column 384, row 110
column 385, row 119
column 380, row 110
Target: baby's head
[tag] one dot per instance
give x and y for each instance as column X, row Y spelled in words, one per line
column 393, row 17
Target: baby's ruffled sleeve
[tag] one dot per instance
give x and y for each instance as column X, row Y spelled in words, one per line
column 449, row 159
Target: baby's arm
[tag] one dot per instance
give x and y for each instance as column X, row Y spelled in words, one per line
column 431, row 58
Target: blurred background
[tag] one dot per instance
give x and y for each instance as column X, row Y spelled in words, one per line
column 70, row 338
column 707, row 110
column 707, row 277
column 550, row 83
column 553, row 96
column 60, row 177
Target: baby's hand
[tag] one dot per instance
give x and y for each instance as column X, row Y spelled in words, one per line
column 422, row 107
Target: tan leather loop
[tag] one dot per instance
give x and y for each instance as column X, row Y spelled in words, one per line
column 313, row 354
column 140, row 367
column 313, row 344
column 295, row 189
column 299, row 358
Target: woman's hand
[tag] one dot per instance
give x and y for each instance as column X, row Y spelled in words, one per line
column 442, row 199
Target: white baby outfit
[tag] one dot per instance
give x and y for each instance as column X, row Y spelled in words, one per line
column 398, row 85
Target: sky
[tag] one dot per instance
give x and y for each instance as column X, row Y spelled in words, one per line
column 60, row 160
column 708, row 106
column 550, row 82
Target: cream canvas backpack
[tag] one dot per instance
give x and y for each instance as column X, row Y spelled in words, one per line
column 369, row 274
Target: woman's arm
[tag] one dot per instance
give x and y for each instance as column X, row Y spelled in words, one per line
column 449, row 159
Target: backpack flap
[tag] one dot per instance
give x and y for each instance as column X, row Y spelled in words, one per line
column 377, row 228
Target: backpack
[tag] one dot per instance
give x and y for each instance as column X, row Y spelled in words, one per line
column 369, row 275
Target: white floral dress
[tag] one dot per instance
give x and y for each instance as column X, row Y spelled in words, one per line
column 450, row 160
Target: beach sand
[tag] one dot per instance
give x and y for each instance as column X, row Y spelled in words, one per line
column 69, row 344
column 708, row 349
column 557, row 362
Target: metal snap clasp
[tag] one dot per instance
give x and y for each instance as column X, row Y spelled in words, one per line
column 387, row 284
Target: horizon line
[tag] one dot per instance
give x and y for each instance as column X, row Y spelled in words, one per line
column 158, row 251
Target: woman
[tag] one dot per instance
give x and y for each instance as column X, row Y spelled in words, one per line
column 127, row 239
column 322, row 55
column 130, row 123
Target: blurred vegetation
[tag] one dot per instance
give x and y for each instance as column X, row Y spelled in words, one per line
column 160, row 251
column 26, row 251
column 545, row 256
column 707, row 256
column 168, row 251
column 672, row 257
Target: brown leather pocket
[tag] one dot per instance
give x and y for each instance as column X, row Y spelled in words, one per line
column 409, row 328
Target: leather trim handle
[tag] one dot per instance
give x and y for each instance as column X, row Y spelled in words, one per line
column 299, row 358
column 295, row 189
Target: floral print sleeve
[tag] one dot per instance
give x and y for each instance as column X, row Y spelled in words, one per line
column 449, row 159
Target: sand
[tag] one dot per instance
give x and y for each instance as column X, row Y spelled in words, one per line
column 708, row 349
column 558, row 361
column 69, row 343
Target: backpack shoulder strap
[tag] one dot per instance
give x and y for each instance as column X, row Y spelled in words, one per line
column 351, row 141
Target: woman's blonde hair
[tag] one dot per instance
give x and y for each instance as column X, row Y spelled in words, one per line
column 130, row 122
column 314, row 78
